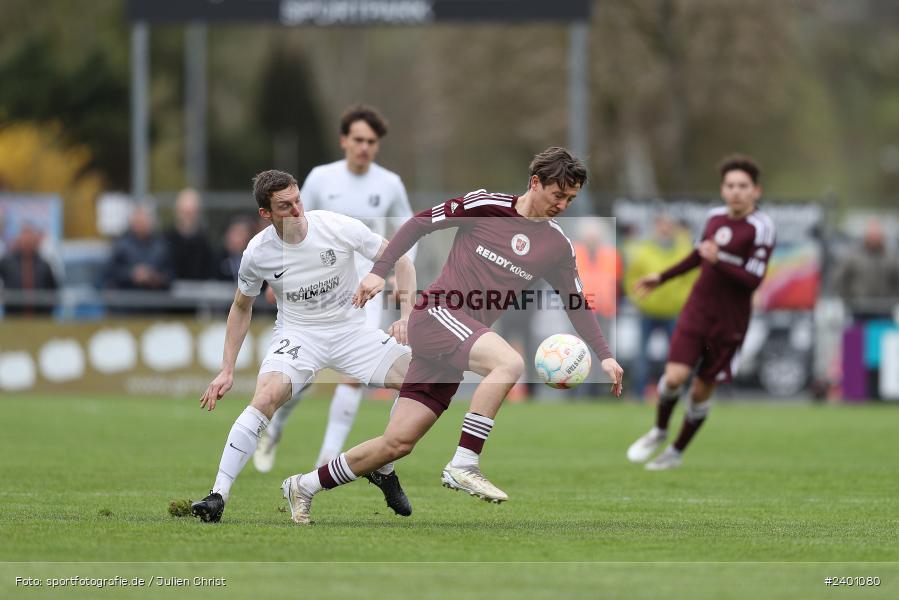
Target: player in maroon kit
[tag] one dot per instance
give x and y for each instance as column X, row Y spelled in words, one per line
column 503, row 245
column 737, row 242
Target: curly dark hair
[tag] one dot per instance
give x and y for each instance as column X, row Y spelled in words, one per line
column 363, row 112
column 740, row 162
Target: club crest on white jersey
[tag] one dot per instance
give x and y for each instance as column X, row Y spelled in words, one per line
column 328, row 257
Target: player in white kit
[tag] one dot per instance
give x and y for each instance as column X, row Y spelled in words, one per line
column 357, row 187
column 308, row 259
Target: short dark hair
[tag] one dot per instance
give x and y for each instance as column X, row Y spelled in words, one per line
column 740, row 162
column 363, row 112
column 558, row 165
column 269, row 182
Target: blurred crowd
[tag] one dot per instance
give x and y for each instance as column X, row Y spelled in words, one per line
column 147, row 258
column 143, row 268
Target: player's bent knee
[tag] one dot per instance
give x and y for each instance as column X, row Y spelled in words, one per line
column 513, row 367
column 398, row 447
column 669, row 390
column 676, row 377
column 701, row 393
column 517, row 366
column 269, row 398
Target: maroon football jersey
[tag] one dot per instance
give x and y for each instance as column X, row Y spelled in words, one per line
column 720, row 302
column 495, row 255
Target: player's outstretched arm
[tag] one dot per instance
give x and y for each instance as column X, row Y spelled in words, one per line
column 690, row 262
column 235, row 332
column 647, row 284
column 614, row 370
column 452, row 213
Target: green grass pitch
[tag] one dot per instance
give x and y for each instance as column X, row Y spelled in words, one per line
column 771, row 500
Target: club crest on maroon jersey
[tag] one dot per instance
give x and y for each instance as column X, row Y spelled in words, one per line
column 723, row 236
column 520, row 244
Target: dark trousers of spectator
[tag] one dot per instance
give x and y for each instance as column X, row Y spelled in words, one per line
column 642, row 364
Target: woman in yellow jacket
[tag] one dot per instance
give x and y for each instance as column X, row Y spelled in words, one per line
column 669, row 244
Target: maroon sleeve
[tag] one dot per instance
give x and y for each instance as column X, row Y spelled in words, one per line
column 738, row 275
column 567, row 283
column 585, row 324
column 405, row 237
column 443, row 216
column 691, row 261
column 455, row 212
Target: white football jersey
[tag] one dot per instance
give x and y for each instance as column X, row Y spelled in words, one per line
column 314, row 280
column 377, row 198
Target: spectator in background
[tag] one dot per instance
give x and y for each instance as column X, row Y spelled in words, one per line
column 140, row 258
column 48, row 250
column 237, row 236
column 600, row 267
column 668, row 245
column 867, row 279
column 189, row 250
column 23, row 270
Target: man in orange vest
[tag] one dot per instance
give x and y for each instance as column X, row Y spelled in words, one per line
column 600, row 267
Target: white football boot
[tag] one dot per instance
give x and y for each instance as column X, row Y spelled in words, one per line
column 669, row 459
column 264, row 457
column 299, row 500
column 643, row 448
column 470, row 479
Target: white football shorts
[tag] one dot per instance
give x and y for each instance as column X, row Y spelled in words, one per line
column 373, row 312
column 363, row 353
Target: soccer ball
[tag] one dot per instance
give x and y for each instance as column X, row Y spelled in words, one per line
column 562, row 361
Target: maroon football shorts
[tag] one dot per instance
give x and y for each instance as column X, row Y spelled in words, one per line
column 441, row 340
column 719, row 358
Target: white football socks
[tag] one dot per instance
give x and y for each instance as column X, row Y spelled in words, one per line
column 465, row 458
column 239, row 447
column 344, row 406
column 311, row 482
